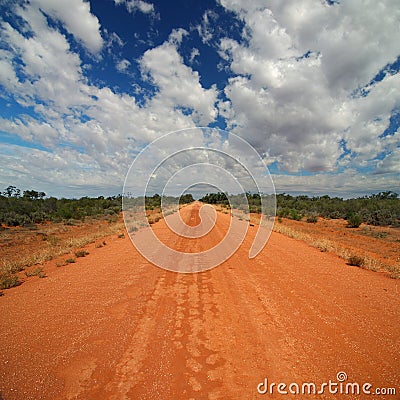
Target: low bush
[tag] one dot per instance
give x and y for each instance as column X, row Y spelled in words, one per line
column 312, row 219
column 354, row 221
column 356, row 261
column 8, row 280
column 295, row 215
column 81, row 253
column 36, row 272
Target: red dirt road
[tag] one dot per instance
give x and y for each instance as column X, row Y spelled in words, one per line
column 113, row 326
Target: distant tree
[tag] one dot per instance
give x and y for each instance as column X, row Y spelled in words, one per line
column 186, row 198
column 33, row 195
column 215, row 198
column 387, row 195
column 12, row 191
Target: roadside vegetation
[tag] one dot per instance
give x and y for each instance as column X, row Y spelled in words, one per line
column 154, row 202
column 374, row 211
column 382, row 209
column 32, row 210
column 133, row 209
column 25, row 247
column 25, row 217
column 32, row 207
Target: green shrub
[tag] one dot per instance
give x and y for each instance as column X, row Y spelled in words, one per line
column 70, row 260
column 81, row 253
column 36, row 272
column 354, row 221
column 294, row 215
column 8, row 280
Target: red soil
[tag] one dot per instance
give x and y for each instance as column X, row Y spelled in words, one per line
column 113, row 326
column 377, row 242
column 19, row 243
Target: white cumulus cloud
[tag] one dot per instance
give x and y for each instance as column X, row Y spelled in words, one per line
column 91, row 133
column 77, row 19
column 179, row 85
column 296, row 72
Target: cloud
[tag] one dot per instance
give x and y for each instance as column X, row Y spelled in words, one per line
column 38, row 58
column 91, row 133
column 75, row 15
column 67, row 170
column 137, row 5
column 123, row 65
column 179, row 86
column 8, row 77
column 296, row 69
column 112, row 39
column 350, row 183
column 31, row 130
column 177, row 35
column 390, row 164
column 206, row 28
column 302, row 89
column 193, row 54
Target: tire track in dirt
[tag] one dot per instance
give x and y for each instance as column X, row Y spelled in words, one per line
column 180, row 357
column 129, row 370
column 124, row 329
column 86, row 372
column 193, row 356
column 319, row 319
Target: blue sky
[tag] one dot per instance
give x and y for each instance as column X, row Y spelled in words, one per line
column 312, row 85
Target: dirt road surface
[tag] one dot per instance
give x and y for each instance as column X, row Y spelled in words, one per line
column 113, row 326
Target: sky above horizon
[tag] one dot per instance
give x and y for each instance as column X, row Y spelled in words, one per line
column 312, row 85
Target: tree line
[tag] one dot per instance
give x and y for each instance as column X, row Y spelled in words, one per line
column 31, row 206
column 376, row 209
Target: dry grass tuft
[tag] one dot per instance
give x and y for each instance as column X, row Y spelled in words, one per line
column 36, row 272
column 356, row 261
column 325, row 245
column 8, row 280
column 81, row 253
column 55, row 248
